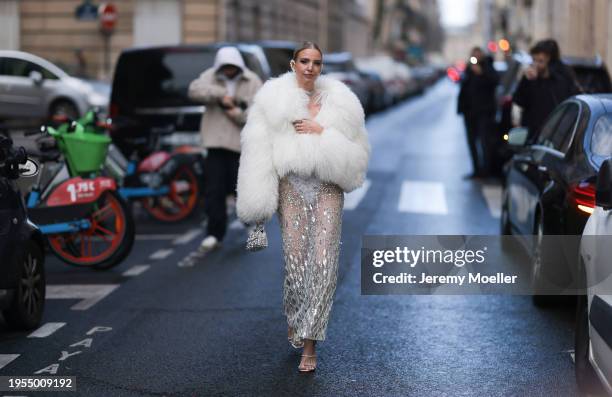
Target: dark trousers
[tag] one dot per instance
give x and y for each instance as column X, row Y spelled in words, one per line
column 480, row 131
column 221, row 176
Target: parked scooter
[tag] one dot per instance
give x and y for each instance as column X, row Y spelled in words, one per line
column 168, row 184
column 84, row 217
column 22, row 268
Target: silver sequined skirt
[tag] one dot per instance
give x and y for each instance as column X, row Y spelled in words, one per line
column 310, row 213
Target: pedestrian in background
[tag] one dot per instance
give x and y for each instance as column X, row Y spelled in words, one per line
column 477, row 104
column 304, row 145
column 545, row 84
column 227, row 89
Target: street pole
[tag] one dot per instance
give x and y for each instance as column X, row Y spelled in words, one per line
column 107, row 62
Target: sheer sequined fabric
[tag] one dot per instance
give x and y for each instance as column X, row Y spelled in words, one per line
column 310, row 213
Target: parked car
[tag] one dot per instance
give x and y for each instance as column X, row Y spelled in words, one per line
column 591, row 73
column 278, row 54
column 340, row 66
column 396, row 76
column 379, row 98
column 32, row 87
column 425, row 76
column 593, row 338
column 550, row 185
column 149, row 92
column 22, row 268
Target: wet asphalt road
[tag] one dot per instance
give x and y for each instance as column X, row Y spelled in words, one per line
column 214, row 325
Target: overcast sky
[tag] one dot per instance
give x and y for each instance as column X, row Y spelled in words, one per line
column 457, row 12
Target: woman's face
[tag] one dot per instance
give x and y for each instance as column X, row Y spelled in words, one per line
column 308, row 66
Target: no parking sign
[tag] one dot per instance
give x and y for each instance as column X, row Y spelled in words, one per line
column 108, row 17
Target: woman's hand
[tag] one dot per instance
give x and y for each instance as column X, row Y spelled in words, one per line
column 307, row 126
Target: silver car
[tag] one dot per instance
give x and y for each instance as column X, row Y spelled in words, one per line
column 31, row 87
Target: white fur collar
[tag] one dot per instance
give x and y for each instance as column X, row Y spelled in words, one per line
column 282, row 100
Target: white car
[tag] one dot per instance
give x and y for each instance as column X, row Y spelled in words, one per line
column 32, row 87
column 593, row 343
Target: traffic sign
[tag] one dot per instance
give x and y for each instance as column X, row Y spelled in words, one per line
column 108, row 17
column 87, row 11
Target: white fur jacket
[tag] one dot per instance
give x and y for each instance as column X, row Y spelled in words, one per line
column 270, row 147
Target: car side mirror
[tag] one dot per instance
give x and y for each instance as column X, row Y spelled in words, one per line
column 36, row 77
column 603, row 192
column 517, row 136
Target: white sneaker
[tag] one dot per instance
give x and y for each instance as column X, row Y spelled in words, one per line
column 209, row 243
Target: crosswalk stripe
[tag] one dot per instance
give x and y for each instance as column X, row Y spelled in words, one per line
column 493, row 197
column 237, row 225
column 89, row 293
column 352, row 199
column 155, row 237
column 187, row 237
column 423, row 197
column 136, row 270
column 46, row 330
column 6, row 359
column 161, row 254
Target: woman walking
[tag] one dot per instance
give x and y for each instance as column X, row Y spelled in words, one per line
column 303, row 146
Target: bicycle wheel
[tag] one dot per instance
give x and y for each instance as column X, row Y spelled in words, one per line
column 180, row 202
column 106, row 243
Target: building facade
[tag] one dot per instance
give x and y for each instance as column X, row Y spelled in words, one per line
column 49, row 28
column 407, row 26
column 582, row 27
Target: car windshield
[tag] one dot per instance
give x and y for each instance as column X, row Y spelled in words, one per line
column 156, row 78
column 278, row 58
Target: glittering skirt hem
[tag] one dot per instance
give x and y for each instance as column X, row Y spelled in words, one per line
column 310, row 214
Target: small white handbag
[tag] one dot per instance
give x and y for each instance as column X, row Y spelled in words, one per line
column 258, row 239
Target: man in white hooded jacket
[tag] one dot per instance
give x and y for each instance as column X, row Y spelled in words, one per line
column 227, row 89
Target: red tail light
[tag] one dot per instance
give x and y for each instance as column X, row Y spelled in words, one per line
column 113, row 110
column 453, row 74
column 582, row 197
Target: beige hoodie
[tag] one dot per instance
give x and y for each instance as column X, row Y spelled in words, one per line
column 218, row 129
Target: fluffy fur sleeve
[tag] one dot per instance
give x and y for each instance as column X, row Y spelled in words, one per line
column 344, row 148
column 257, row 191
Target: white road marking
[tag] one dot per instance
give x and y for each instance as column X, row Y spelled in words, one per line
column 154, row 237
column 187, row 237
column 236, row 225
column 352, row 199
column 6, row 359
column 493, row 196
column 136, row 270
column 423, row 198
column 46, row 330
column 90, row 293
column 161, row 254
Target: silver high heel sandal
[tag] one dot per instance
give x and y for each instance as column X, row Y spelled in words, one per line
column 309, row 367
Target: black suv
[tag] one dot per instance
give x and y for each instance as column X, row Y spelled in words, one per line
column 149, row 91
